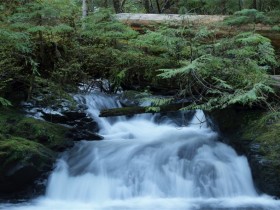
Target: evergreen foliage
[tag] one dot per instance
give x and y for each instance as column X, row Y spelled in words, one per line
column 231, row 71
column 48, row 43
column 33, row 36
column 247, row 16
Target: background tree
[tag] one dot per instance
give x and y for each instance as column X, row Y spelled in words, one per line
column 146, row 4
column 85, row 8
column 117, row 6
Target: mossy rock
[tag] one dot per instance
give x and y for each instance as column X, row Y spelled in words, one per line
column 256, row 134
column 28, row 149
column 264, row 136
column 49, row 134
column 53, row 136
column 21, row 162
column 265, row 131
column 230, row 123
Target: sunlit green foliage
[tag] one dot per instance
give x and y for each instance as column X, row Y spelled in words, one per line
column 247, row 16
column 231, row 71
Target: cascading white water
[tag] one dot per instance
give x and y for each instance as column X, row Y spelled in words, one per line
column 147, row 165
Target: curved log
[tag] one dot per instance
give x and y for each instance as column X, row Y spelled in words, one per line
column 137, row 21
column 149, row 19
column 139, row 110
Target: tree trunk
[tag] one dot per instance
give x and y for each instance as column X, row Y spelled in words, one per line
column 167, row 5
column 122, row 5
column 147, row 5
column 105, row 4
column 41, row 41
column 260, row 5
column 158, row 7
column 91, row 6
column 117, row 6
column 152, row 10
column 240, row 4
column 224, row 7
column 254, row 4
column 84, row 8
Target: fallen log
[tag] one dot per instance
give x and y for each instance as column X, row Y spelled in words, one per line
column 275, row 80
column 148, row 19
column 139, row 21
column 139, row 110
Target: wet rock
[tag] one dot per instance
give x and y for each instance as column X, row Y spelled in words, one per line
column 29, row 146
column 21, row 163
column 130, row 98
column 77, row 134
column 264, row 153
column 82, row 127
column 55, row 118
column 258, row 139
column 74, row 115
column 266, row 174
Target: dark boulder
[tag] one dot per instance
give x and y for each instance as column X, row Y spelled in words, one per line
column 29, row 146
column 82, row 127
column 55, row 118
column 74, row 115
column 21, row 163
column 77, row 134
column 266, row 173
column 252, row 133
column 68, row 113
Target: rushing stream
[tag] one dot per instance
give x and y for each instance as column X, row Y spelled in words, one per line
column 149, row 162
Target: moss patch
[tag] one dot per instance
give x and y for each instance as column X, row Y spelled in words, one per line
column 22, row 151
column 13, row 123
column 231, row 121
column 265, row 131
column 46, row 133
column 28, row 149
column 21, row 163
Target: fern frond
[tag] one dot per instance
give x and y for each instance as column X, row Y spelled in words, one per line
column 5, row 102
column 152, row 109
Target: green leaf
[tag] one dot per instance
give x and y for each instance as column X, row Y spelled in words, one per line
column 5, row 102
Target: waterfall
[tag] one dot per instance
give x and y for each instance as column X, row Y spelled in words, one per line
column 149, row 164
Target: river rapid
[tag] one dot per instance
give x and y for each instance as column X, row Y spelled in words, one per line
column 149, row 162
